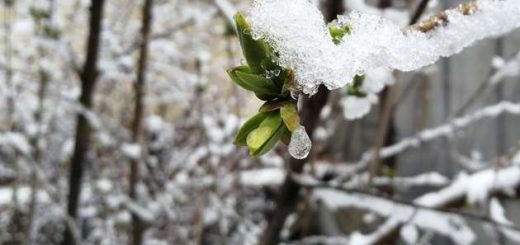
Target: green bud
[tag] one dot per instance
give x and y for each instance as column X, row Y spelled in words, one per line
column 355, row 89
column 256, row 52
column 338, row 32
column 358, row 80
column 250, row 125
column 263, row 138
column 258, row 84
column 271, row 143
column 290, row 117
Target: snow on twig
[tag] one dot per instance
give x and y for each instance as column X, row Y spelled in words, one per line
column 296, row 30
column 444, row 130
column 498, row 214
column 511, row 68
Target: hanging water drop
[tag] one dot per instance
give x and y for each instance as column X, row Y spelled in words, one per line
column 300, row 144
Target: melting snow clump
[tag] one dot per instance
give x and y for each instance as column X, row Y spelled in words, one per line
column 297, row 31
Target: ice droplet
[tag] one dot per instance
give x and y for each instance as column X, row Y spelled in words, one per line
column 300, row 144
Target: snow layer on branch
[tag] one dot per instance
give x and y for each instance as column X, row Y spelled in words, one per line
column 476, row 187
column 16, row 141
column 507, row 69
column 498, row 214
column 262, row 177
column 23, row 195
column 450, row 225
column 132, row 151
column 297, row 31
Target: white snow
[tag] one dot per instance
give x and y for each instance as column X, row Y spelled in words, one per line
column 104, row 185
column 476, row 187
column 16, row 141
column 272, row 159
column 430, row 179
column 154, row 124
column 510, row 68
column 23, row 195
column 409, row 234
column 132, row 151
column 449, row 128
column 449, row 225
column 262, row 177
column 498, row 214
column 355, row 108
column 143, row 213
column 296, row 30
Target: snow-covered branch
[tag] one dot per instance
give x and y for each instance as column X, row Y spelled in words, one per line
column 445, row 130
column 427, row 211
column 296, row 30
column 475, row 187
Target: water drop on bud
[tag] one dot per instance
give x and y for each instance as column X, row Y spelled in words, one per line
column 300, row 144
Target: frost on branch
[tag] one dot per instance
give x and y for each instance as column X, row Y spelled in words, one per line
column 296, row 30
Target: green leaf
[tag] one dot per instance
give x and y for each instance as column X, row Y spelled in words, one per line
column 247, row 127
column 290, row 117
column 280, row 132
column 232, row 74
column 256, row 52
column 263, row 134
column 267, row 97
column 259, row 83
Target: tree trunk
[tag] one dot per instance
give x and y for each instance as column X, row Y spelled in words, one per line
column 88, row 78
column 288, row 195
column 138, row 226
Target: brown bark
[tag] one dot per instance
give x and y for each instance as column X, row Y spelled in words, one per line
column 138, row 225
column 88, row 77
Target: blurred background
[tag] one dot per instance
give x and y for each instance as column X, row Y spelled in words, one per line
column 117, row 128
